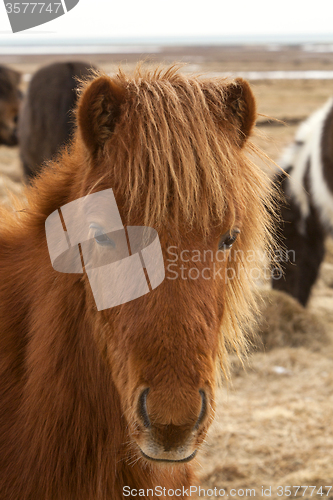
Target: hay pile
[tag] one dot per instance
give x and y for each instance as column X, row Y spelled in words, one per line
column 284, row 322
column 273, row 425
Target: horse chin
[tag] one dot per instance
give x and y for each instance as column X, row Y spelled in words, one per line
column 168, row 459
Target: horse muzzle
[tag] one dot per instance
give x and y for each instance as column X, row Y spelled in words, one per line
column 166, row 442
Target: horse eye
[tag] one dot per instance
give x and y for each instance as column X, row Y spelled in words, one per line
column 104, row 240
column 101, row 237
column 228, row 239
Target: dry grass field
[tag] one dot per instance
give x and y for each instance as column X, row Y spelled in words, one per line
column 274, row 422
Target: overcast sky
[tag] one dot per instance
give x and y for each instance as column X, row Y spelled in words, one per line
column 149, row 18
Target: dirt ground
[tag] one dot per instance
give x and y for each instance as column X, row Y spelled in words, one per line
column 274, row 423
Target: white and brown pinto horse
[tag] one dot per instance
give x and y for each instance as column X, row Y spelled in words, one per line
column 308, row 213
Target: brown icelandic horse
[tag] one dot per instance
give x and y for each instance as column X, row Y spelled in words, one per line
column 94, row 404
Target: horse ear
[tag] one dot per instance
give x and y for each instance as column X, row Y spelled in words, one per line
column 241, row 108
column 99, row 110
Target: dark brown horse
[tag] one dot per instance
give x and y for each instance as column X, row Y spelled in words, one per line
column 94, row 404
column 10, row 100
column 46, row 120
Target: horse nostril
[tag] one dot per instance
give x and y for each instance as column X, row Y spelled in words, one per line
column 143, row 408
column 203, row 410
